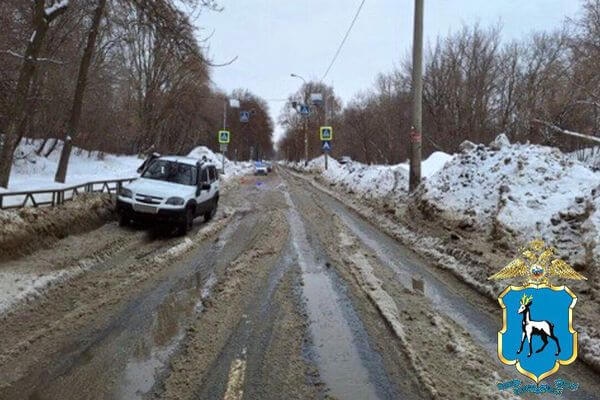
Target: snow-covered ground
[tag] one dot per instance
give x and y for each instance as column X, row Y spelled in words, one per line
column 33, row 172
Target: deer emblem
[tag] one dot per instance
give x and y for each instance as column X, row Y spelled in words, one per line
column 543, row 329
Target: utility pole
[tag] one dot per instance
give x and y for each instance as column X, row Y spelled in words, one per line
column 223, row 148
column 304, row 128
column 417, row 93
column 326, row 122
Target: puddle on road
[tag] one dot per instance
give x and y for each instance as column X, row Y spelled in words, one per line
column 154, row 349
column 127, row 358
column 390, row 254
column 338, row 358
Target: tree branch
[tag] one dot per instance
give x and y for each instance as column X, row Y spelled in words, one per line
column 566, row 132
column 12, row 53
column 221, row 65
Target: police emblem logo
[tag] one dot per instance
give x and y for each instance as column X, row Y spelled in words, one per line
column 537, row 334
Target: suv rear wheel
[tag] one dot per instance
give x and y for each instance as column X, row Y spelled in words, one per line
column 213, row 210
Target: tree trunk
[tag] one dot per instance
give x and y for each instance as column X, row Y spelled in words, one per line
column 73, row 124
column 51, row 148
column 19, row 108
column 41, row 147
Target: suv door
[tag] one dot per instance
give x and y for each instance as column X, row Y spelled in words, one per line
column 205, row 195
column 213, row 175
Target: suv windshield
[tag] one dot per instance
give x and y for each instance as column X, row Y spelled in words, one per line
column 171, row 171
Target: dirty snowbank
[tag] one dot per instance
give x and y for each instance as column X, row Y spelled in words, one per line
column 16, row 287
column 387, row 183
column 507, row 193
column 28, row 229
column 517, row 192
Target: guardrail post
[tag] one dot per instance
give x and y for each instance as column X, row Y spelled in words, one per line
column 1, row 202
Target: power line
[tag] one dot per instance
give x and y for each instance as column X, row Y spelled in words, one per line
column 344, row 39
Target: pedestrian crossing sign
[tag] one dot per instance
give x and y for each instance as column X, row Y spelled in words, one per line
column 326, row 133
column 224, row 137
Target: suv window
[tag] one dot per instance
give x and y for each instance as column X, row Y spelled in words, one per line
column 212, row 173
column 204, row 175
column 171, row 171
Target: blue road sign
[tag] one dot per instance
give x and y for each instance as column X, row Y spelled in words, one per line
column 244, row 116
column 304, row 110
column 326, row 146
column 326, row 133
column 224, row 137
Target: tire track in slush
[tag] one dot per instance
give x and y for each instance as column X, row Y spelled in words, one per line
column 338, row 358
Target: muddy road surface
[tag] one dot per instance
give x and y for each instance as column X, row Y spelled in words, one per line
column 285, row 294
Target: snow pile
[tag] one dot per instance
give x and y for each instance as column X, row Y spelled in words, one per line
column 369, row 181
column 517, row 191
column 231, row 168
column 589, row 156
column 372, row 182
column 432, row 164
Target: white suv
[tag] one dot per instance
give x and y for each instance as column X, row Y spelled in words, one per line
column 171, row 189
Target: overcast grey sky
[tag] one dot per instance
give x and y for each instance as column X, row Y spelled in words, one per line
column 273, row 38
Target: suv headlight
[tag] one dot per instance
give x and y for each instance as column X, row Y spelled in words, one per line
column 175, row 201
column 124, row 192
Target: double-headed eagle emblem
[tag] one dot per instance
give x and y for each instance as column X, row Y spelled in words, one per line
column 536, row 264
column 552, row 308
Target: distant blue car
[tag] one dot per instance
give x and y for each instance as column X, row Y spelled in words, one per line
column 260, row 168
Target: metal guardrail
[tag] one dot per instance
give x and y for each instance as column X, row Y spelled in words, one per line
column 53, row 197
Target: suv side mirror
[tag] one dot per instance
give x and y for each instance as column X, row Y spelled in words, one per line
column 205, row 186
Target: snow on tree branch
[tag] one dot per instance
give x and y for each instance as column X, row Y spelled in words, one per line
column 57, row 7
column 566, row 132
column 14, row 54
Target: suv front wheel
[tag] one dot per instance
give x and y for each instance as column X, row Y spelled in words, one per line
column 188, row 221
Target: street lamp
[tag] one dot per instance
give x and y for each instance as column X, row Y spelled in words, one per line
column 298, row 76
column 233, row 103
column 304, row 125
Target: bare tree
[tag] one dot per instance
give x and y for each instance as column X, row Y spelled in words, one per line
column 82, row 77
column 43, row 15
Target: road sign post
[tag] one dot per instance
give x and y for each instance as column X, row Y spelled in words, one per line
column 326, row 135
column 224, row 139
